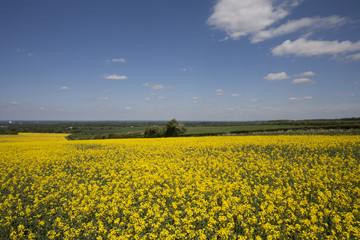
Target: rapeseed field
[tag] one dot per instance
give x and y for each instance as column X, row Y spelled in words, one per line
column 238, row 187
column 34, row 137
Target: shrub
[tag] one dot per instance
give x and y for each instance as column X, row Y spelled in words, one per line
column 154, row 132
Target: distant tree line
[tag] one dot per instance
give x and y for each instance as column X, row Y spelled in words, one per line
column 153, row 129
column 171, row 129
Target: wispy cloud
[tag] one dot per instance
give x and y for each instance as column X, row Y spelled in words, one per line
column 186, row 69
column 10, row 105
column 127, row 108
column 302, row 80
column 276, row 76
column 353, row 57
column 219, row 92
column 157, row 86
column 160, row 87
column 253, row 100
column 120, row 60
column 300, row 98
column 346, row 95
column 196, row 99
column 24, row 51
column 235, row 95
column 115, row 77
column 296, row 25
column 102, row 98
column 304, row 47
column 64, row 88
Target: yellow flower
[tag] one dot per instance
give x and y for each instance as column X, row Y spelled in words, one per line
column 205, row 188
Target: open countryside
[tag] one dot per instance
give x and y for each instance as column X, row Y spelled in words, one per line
column 179, row 120
column 233, row 187
column 81, row 130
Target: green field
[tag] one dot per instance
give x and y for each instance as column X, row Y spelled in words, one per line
column 228, row 129
column 135, row 129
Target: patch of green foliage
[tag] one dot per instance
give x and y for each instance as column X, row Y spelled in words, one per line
column 136, row 129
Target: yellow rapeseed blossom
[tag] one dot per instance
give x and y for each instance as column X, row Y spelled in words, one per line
column 238, row 187
column 34, row 137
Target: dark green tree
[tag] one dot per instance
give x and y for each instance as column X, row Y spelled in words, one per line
column 154, row 132
column 174, row 128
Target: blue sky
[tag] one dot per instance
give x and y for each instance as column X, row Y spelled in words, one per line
column 232, row 60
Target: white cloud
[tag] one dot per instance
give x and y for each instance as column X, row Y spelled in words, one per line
column 230, row 109
column 283, row 75
column 294, row 99
column 29, row 54
column 161, row 98
column 115, row 77
column 219, row 94
column 240, row 18
column 121, row 60
column 276, row 76
column 147, row 99
column 14, row 103
column 64, row 88
column 295, row 25
column 353, row 57
column 186, row 69
column 302, row 80
column 253, row 100
column 305, row 74
column 235, row 95
column 300, row 98
column 304, row 47
column 219, row 90
column 156, row 86
column 128, row 108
